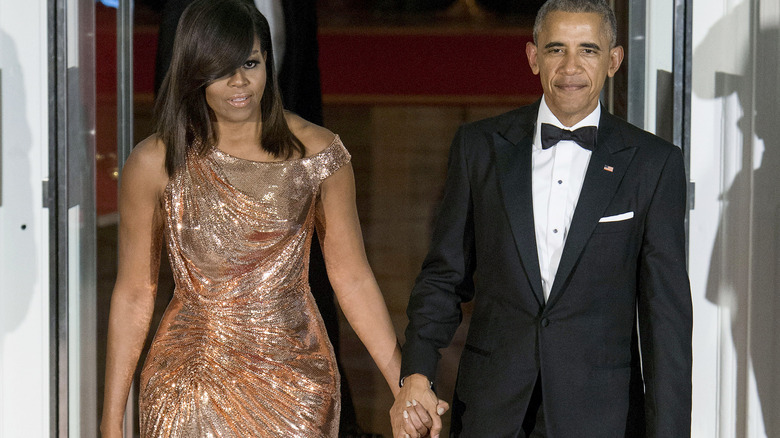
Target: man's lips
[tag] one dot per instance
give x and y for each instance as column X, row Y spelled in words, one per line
column 570, row 87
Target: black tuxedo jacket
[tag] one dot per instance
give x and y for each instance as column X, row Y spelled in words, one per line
column 583, row 342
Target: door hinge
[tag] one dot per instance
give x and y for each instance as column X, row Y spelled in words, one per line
column 691, row 195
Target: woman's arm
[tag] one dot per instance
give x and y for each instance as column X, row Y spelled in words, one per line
column 351, row 277
column 350, row 274
column 132, row 302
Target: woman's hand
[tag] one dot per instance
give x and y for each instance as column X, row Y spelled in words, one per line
column 417, row 411
column 417, row 422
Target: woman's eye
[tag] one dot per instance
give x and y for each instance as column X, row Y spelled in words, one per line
column 251, row 64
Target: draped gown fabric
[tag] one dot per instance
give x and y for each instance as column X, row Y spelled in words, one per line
column 242, row 350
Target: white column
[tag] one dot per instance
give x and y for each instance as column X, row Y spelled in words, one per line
column 24, row 237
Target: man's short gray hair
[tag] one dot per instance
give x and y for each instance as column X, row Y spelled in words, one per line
column 600, row 7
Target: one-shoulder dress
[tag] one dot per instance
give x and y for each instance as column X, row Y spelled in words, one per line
column 242, row 350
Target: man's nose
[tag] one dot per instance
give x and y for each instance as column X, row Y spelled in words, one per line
column 571, row 63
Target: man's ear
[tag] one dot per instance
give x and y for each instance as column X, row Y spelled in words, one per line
column 615, row 59
column 531, row 52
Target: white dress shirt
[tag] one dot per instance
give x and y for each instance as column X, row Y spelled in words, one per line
column 273, row 12
column 557, row 177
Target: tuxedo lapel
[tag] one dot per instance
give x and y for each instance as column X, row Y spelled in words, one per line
column 606, row 169
column 513, row 166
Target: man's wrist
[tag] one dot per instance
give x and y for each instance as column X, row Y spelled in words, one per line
column 414, row 377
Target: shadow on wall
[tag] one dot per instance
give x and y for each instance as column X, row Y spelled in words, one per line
column 744, row 278
column 19, row 231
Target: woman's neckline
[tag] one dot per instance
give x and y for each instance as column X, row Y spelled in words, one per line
column 224, row 154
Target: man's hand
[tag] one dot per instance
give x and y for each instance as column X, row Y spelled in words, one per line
column 417, row 411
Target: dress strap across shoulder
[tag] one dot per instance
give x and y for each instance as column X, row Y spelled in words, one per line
column 330, row 159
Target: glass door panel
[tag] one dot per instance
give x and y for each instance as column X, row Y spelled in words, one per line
column 72, row 186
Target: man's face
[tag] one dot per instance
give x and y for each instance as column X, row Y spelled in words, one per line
column 573, row 59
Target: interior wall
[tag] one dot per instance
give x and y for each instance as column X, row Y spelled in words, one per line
column 735, row 236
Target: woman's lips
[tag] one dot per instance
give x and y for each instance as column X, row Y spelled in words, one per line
column 239, row 100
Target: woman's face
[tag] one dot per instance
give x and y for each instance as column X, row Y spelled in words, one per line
column 235, row 98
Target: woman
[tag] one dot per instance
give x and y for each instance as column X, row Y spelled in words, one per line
column 236, row 185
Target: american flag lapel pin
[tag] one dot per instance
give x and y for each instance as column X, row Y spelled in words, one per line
column 609, row 168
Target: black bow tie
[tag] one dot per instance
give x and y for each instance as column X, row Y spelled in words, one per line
column 585, row 136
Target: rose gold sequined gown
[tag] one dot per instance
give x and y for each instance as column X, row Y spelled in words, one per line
column 242, row 350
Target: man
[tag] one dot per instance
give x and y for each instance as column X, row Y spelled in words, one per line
column 564, row 240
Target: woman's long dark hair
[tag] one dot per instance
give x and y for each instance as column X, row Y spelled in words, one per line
column 214, row 38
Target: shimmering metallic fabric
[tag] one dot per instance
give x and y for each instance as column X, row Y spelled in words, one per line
column 242, row 350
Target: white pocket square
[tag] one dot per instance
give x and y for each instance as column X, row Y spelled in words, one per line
column 617, row 217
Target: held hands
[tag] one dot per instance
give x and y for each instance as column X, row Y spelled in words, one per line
column 417, row 411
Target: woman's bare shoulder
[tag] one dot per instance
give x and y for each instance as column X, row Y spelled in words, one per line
column 147, row 162
column 315, row 138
